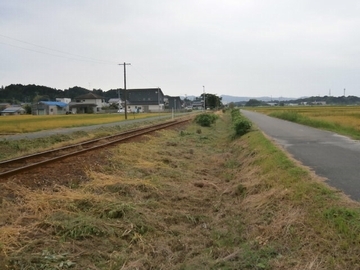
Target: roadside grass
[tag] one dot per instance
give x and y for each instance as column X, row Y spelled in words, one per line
column 186, row 199
column 31, row 123
column 342, row 120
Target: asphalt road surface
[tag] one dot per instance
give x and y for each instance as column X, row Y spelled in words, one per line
column 330, row 155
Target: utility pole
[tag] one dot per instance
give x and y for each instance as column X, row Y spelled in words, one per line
column 204, row 99
column 125, row 64
column 158, row 98
column 119, row 101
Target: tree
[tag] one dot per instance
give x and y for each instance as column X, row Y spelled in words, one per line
column 38, row 98
column 27, row 109
column 212, row 101
column 255, row 103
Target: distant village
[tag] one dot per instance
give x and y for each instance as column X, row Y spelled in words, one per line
column 136, row 101
column 17, row 99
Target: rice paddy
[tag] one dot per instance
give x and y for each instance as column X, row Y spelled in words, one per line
column 344, row 120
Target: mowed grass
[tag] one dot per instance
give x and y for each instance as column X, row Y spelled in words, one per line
column 196, row 198
column 29, row 123
column 344, row 120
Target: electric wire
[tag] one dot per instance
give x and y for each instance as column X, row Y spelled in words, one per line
column 70, row 56
column 66, row 55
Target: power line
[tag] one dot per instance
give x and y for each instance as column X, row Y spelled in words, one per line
column 137, row 71
column 78, row 57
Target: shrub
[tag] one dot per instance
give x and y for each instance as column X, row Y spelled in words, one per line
column 205, row 119
column 241, row 124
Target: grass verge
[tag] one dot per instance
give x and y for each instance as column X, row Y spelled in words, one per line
column 188, row 199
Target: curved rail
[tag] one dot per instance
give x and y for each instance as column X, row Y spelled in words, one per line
column 24, row 163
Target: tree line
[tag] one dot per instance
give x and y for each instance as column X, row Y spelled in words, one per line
column 315, row 100
column 18, row 93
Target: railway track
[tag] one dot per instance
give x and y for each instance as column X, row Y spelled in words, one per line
column 20, row 164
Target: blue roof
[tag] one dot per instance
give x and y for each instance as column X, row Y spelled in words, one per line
column 55, row 103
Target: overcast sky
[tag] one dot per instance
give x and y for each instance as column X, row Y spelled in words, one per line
column 278, row 48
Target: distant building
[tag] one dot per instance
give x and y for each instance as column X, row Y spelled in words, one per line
column 198, row 104
column 13, row 110
column 4, row 106
column 173, row 103
column 65, row 100
column 144, row 100
column 115, row 101
column 319, row 103
column 49, row 108
column 88, row 103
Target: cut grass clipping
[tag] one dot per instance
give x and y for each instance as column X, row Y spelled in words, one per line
column 183, row 200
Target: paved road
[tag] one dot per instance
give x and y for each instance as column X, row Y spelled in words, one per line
column 330, row 155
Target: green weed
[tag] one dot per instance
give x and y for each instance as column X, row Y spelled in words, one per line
column 206, row 119
column 77, row 226
column 346, row 221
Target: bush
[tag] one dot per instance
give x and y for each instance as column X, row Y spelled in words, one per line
column 241, row 124
column 205, row 119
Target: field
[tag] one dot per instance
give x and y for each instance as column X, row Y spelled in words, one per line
column 191, row 198
column 31, row 123
column 14, row 148
column 344, row 120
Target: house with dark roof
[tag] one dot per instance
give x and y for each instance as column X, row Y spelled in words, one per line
column 198, row 104
column 13, row 110
column 88, row 103
column 143, row 100
column 49, row 108
column 114, row 101
column 173, row 103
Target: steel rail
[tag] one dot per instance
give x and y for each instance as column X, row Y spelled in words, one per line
column 85, row 147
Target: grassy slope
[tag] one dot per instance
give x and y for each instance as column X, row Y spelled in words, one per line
column 184, row 200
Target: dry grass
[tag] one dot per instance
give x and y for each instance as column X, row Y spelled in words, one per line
column 181, row 200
